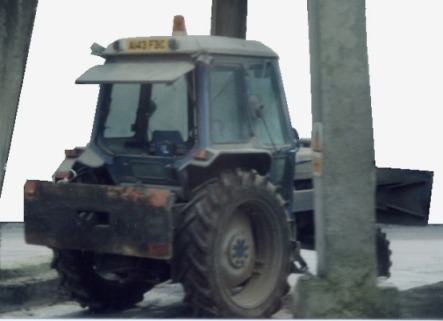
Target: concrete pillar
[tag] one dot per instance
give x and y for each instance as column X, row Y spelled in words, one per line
column 229, row 18
column 344, row 170
column 16, row 23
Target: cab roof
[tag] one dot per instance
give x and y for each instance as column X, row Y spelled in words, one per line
column 190, row 45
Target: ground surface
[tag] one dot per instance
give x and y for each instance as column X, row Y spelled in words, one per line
column 417, row 272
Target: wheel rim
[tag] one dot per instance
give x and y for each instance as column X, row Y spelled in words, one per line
column 238, row 250
column 250, row 253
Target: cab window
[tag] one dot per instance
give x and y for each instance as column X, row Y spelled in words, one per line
column 268, row 118
column 228, row 114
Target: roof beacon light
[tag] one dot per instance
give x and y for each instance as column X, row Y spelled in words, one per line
column 179, row 26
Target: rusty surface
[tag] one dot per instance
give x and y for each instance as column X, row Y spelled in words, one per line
column 127, row 220
column 30, row 188
column 153, row 197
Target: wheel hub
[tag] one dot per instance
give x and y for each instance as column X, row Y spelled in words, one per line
column 238, row 256
column 238, row 251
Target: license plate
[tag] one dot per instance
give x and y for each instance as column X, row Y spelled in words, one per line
column 147, row 44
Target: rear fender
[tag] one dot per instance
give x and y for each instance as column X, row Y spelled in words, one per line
column 197, row 173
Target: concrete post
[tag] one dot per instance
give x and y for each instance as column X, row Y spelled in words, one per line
column 344, row 170
column 229, row 18
column 16, row 23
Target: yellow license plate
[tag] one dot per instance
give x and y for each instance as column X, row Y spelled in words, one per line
column 148, row 44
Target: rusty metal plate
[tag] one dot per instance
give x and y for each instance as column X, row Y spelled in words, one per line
column 127, row 220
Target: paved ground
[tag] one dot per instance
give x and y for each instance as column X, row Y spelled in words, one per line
column 417, row 272
column 14, row 253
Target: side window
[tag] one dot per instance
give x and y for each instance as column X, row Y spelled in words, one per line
column 228, row 115
column 270, row 126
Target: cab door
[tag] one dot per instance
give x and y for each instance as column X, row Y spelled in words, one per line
column 271, row 123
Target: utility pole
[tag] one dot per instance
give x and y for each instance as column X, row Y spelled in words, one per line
column 344, row 170
column 16, row 24
column 229, row 18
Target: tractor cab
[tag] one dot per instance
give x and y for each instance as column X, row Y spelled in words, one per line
column 176, row 110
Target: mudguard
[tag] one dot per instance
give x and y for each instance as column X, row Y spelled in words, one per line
column 126, row 220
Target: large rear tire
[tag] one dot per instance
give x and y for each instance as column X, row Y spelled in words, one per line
column 77, row 276
column 383, row 254
column 234, row 248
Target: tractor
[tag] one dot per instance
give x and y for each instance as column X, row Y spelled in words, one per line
column 189, row 176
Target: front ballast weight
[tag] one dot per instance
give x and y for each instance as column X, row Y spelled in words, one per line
column 100, row 218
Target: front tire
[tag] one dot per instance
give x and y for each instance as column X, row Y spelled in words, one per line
column 78, row 277
column 234, row 247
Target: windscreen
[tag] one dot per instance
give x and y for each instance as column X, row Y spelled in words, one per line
column 136, row 116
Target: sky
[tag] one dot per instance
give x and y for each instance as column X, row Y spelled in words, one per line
column 405, row 63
